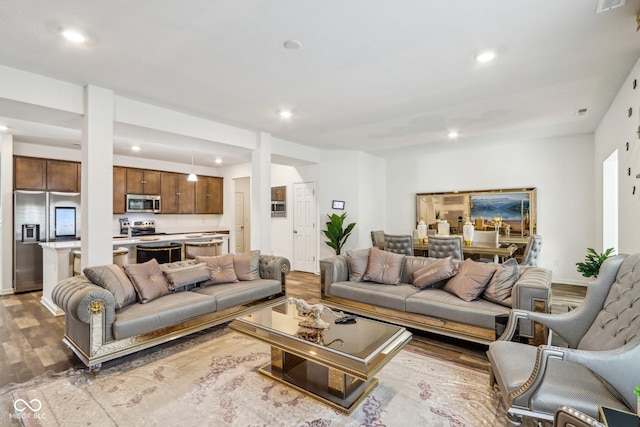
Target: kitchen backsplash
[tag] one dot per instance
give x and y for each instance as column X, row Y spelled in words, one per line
column 174, row 223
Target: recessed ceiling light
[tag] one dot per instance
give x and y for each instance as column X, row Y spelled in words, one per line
column 285, row 114
column 292, row 44
column 485, row 57
column 74, row 36
column 218, row 160
column 135, row 148
column 453, row 134
column 3, row 128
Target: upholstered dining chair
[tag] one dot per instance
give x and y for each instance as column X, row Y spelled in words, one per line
column 600, row 365
column 487, row 238
column 399, row 244
column 444, row 246
column 377, row 239
column 532, row 251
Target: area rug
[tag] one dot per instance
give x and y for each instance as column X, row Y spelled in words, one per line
column 216, row 383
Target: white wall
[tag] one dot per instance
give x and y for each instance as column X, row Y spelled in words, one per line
column 614, row 131
column 282, row 227
column 561, row 169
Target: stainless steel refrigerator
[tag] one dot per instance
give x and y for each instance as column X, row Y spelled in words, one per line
column 40, row 216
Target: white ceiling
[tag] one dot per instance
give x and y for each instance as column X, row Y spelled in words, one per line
column 371, row 75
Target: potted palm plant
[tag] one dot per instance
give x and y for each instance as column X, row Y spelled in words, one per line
column 592, row 262
column 335, row 233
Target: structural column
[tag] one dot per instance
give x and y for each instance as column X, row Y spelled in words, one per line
column 97, row 177
column 261, row 195
column 6, row 194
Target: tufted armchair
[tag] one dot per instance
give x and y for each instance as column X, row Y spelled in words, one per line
column 444, row 246
column 377, row 239
column 532, row 251
column 399, row 244
column 600, row 368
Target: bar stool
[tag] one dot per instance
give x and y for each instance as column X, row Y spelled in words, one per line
column 120, row 257
column 162, row 252
column 208, row 248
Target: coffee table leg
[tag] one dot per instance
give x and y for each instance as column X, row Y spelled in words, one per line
column 339, row 383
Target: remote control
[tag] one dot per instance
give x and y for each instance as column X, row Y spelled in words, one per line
column 346, row 319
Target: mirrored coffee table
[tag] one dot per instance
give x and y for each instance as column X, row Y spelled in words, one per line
column 335, row 366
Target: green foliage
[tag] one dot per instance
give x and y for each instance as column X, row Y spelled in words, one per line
column 592, row 262
column 335, row 233
column 637, row 391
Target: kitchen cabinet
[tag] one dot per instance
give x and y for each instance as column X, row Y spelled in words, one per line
column 142, row 181
column 62, row 176
column 178, row 195
column 209, row 195
column 119, row 190
column 29, row 173
column 279, row 194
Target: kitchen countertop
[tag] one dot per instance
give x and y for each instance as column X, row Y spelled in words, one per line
column 125, row 241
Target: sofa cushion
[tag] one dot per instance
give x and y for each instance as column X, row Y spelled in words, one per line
column 246, row 265
column 501, row 284
column 470, row 280
column 390, row 296
column 220, row 268
column 358, row 261
column 433, row 273
column 115, row 280
column 233, row 294
column 188, row 275
column 169, row 310
column 148, row 280
column 384, row 267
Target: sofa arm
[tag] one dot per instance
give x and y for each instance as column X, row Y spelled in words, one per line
column 333, row 269
column 78, row 297
column 533, row 285
column 274, row 267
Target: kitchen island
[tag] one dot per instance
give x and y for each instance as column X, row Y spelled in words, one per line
column 57, row 259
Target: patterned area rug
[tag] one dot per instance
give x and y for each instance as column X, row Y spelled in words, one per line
column 215, row 382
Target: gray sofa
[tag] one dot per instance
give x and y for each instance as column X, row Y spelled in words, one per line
column 434, row 309
column 99, row 326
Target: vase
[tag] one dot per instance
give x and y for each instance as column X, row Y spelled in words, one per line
column 467, row 233
column 422, row 230
column 443, row 228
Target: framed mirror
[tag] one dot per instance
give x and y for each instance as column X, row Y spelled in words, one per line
column 513, row 211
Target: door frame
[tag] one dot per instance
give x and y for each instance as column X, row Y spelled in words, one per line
column 316, row 236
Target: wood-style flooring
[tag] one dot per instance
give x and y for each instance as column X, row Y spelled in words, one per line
column 31, row 337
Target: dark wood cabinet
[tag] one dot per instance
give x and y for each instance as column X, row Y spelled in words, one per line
column 119, row 190
column 279, row 194
column 29, row 173
column 209, row 195
column 142, row 181
column 62, row 176
column 178, row 195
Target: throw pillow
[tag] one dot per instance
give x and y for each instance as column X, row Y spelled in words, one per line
column 115, row 280
column 470, row 280
column 431, row 274
column 384, row 267
column 185, row 276
column 247, row 265
column 358, row 261
column 499, row 288
column 148, row 280
column 220, row 268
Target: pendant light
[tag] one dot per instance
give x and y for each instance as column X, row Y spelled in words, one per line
column 192, row 176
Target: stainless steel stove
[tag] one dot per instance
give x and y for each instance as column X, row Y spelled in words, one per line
column 138, row 228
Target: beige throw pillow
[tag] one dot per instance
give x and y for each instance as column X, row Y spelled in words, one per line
column 115, row 280
column 433, row 273
column 499, row 288
column 220, row 268
column 148, row 280
column 247, row 265
column 358, row 261
column 384, row 267
column 470, row 280
column 189, row 275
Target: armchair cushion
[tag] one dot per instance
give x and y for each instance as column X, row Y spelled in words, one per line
column 358, row 262
column 470, row 280
column 115, row 280
column 501, row 284
column 384, row 267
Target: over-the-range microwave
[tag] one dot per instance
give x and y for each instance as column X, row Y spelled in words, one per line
column 143, row 203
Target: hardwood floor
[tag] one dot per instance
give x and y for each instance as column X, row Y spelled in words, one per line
column 31, row 336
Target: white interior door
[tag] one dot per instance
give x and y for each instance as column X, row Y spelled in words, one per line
column 304, row 231
column 239, row 221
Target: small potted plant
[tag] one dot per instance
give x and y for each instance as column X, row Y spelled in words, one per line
column 335, row 232
column 592, row 262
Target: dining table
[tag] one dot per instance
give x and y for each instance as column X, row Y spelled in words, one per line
column 503, row 250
